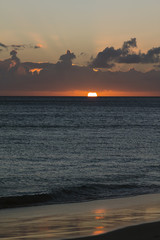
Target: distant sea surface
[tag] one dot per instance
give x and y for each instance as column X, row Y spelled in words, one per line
column 74, row 149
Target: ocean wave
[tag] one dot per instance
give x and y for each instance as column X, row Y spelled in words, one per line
column 84, row 126
column 75, row 194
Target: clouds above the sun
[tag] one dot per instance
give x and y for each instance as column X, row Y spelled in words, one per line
column 19, row 78
column 110, row 56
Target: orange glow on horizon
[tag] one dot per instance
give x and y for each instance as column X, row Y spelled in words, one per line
column 80, row 93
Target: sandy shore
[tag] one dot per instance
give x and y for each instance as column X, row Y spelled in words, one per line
column 66, row 221
column 148, row 231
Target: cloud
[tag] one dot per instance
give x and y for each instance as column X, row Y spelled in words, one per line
column 38, row 46
column 152, row 56
column 17, row 46
column 15, row 61
column 23, row 46
column 110, row 56
column 129, row 44
column 67, row 58
column 32, row 65
column 28, row 77
column 130, row 58
column 20, row 46
column 14, row 57
column 105, row 58
column 82, row 53
column 3, row 45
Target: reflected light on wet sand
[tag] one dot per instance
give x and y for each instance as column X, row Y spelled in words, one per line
column 99, row 230
column 73, row 220
column 99, row 216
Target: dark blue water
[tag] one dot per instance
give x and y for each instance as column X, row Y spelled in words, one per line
column 77, row 149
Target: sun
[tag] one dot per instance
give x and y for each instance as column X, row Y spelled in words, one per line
column 92, row 94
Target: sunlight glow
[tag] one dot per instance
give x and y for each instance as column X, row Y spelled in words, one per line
column 95, row 70
column 35, row 70
column 92, row 94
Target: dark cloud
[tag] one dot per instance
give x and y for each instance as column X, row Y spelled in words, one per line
column 20, row 46
column 110, row 56
column 16, row 46
column 152, row 56
column 67, row 58
column 29, row 78
column 32, row 65
column 14, row 57
column 15, row 61
column 55, row 79
column 105, row 58
column 153, row 51
column 23, row 46
column 37, row 46
column 3, row 45
column 13, row 54
column 83, row 54
column 129, row 44
column 130, row 58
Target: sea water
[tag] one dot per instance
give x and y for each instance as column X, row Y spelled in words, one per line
column 73, row 149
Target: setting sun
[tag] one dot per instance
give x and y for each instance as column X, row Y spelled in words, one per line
column 92, row 94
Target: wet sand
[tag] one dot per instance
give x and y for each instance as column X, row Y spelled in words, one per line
column 76, row 220
column 148, row 231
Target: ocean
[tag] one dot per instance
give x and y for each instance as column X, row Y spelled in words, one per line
column 75, row 149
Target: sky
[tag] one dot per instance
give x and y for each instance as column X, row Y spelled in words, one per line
column 59, row 47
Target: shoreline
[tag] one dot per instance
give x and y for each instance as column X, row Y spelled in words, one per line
column 77, row 220
column 145, row 231
column 14, row 205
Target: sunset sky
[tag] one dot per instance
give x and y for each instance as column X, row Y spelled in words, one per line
column 59, row 47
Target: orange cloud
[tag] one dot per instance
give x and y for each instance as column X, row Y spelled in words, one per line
column 35, row 70
column 95, row 70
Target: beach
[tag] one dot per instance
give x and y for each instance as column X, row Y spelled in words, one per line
column 91, row 220
column 79, row 120
column 148, row 231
